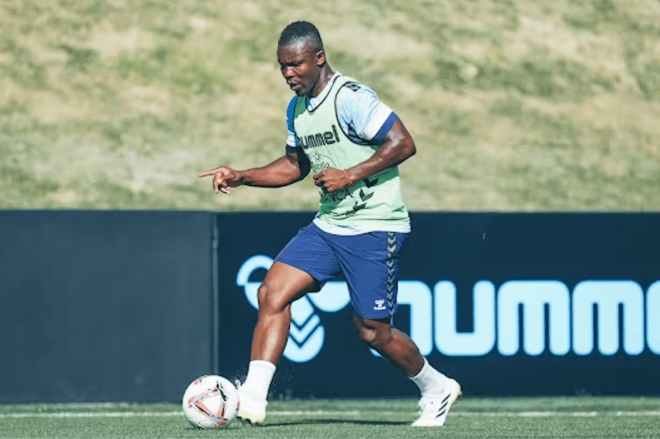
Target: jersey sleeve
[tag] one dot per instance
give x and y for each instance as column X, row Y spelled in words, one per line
column 291, row 138
column 364, row 118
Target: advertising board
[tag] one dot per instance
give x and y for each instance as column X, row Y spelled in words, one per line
column 509, row 304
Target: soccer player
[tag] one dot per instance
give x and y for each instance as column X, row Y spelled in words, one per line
column 352, row 143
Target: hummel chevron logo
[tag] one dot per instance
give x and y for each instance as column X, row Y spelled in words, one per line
column 391, row 244
column 369, row 183
column 306, row 333
column 355, row 208
column 364, row 195
column 300, row 335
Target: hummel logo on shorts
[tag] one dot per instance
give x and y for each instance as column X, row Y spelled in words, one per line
column 380, row 304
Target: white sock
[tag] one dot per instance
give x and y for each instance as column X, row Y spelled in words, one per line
column 260, row 374
column 429, row 380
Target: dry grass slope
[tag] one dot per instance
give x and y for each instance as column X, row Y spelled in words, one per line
column 514, row 104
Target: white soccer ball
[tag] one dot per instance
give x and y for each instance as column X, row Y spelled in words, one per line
column 210, row 402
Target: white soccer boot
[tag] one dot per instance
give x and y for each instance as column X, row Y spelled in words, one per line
column 250, row 409
column 434, row 409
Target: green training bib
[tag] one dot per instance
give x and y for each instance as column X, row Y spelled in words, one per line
column 372, row 202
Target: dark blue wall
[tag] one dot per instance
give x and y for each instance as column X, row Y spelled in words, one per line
column 104, row 306
column 131, row 306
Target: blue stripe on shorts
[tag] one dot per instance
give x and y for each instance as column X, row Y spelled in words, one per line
column 369, row 262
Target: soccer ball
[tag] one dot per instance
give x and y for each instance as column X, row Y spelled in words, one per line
column 210, row 402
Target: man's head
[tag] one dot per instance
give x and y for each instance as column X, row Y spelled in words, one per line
column 301, row 56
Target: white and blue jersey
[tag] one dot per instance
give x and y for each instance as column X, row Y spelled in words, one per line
column 362, row 116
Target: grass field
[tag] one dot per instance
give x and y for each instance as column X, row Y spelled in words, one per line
column 514, row 104
column 575, row 417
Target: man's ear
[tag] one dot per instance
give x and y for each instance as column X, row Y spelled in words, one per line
column 320, row 58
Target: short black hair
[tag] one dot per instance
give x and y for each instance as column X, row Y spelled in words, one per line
column 301, row 31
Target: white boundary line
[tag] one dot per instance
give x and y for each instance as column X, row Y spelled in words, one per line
column 332, row 413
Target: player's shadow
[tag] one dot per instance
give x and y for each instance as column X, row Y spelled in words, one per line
column 334, row 421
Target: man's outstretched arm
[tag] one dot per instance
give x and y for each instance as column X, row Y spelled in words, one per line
column 281, row 172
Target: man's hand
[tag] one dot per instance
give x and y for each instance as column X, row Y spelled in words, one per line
column 331, row 180
column 224, row 178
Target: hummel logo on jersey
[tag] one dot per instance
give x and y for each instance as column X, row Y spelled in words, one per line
column 380, row 304
column 319, row 139
column 369, row 183
column 365, row 195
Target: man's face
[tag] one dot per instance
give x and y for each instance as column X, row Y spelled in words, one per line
column 301, row 66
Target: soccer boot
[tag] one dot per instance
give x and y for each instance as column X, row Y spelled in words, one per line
column 250, row 409
column 434, row 409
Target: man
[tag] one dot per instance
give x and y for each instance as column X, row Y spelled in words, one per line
column 353, row 143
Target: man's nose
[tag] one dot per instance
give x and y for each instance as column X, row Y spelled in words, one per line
column 287, row 72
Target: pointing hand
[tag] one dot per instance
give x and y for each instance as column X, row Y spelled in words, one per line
column 224, row 178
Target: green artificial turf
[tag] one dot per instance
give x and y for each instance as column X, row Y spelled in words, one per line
column 577, row 417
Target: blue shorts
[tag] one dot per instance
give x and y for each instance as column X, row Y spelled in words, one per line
column 369, row 262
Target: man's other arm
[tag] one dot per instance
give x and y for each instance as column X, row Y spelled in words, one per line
column 396, row 147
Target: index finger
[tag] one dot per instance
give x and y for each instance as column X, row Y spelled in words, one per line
column 207, row 173
column 221, row 170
